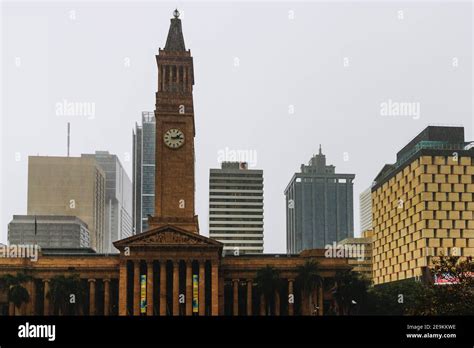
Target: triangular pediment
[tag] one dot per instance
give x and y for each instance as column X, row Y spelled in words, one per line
column 167, row 235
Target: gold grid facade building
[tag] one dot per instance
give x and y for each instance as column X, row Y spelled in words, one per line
column 423, row 209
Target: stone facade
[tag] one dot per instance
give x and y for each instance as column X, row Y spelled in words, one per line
column 174, row 179
column 169, row 258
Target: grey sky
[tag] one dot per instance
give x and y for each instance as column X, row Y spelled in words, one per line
column 47, row 58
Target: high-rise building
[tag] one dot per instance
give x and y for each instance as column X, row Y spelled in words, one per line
column 319, row 206
column 143, row 176
column 360, row 256
column 365, row 209
column 236, row 208
column 423, row 205
column 118, row 200
column 49, row 231
column 72, row 186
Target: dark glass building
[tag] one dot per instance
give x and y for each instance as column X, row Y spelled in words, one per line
column 319, row 206
column 143, row 171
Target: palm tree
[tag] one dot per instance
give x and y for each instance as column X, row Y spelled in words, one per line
column 17, row 293
column 63, row 289
column 268, row 281
column 350, row 291
column 308, row 279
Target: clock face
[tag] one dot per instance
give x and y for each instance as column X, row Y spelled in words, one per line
column 173, row 138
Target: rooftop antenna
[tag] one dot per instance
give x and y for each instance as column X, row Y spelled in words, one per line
column 68, row 137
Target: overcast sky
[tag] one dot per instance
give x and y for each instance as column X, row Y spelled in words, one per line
column 273, row 78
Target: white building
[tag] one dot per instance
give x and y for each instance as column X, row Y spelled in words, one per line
column 365, row 208
column 236, row 208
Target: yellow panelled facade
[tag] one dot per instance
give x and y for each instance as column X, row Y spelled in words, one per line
column 426, row 209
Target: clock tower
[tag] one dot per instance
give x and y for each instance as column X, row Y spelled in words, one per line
column 175, row 131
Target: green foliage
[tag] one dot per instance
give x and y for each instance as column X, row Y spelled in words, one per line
column 308, row 276
column 350, row 292
column 16, row 292
column 406, row 297
column 307, row 280
column 66, row 293
column 456, row 298
column 18, row 295
column 409, row 297
column 268, row 280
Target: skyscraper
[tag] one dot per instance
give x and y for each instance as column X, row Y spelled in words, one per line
column 423, row 205
column 319, row 206
column 118, row 199
column 365, row 209
column 144, row 171
column 236, row 208
column 72, row 186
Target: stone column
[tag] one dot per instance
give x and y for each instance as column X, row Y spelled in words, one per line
column 202, row 288
column 263, row 310
column 321, row 299
column 249, row 296
column 32, row 303
column 277, row 302
column 291, row 296
column 175, row 288
column 162, row 287
column 136, row 287
column 123, row 288
column 149, row 288
column 46, row 296
column 106, row 296
column 235, row 286
column 220, row 310
column 215, row 288
column 189, row 288
column 91, row 296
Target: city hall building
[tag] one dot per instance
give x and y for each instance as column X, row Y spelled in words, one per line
column 171, row 269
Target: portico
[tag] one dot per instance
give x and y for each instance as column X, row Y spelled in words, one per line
column 169, row 262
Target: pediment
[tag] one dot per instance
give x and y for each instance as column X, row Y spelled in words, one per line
column 166, row 236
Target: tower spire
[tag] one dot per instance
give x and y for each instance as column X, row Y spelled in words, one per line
column 320, row 151
column 175, row 40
